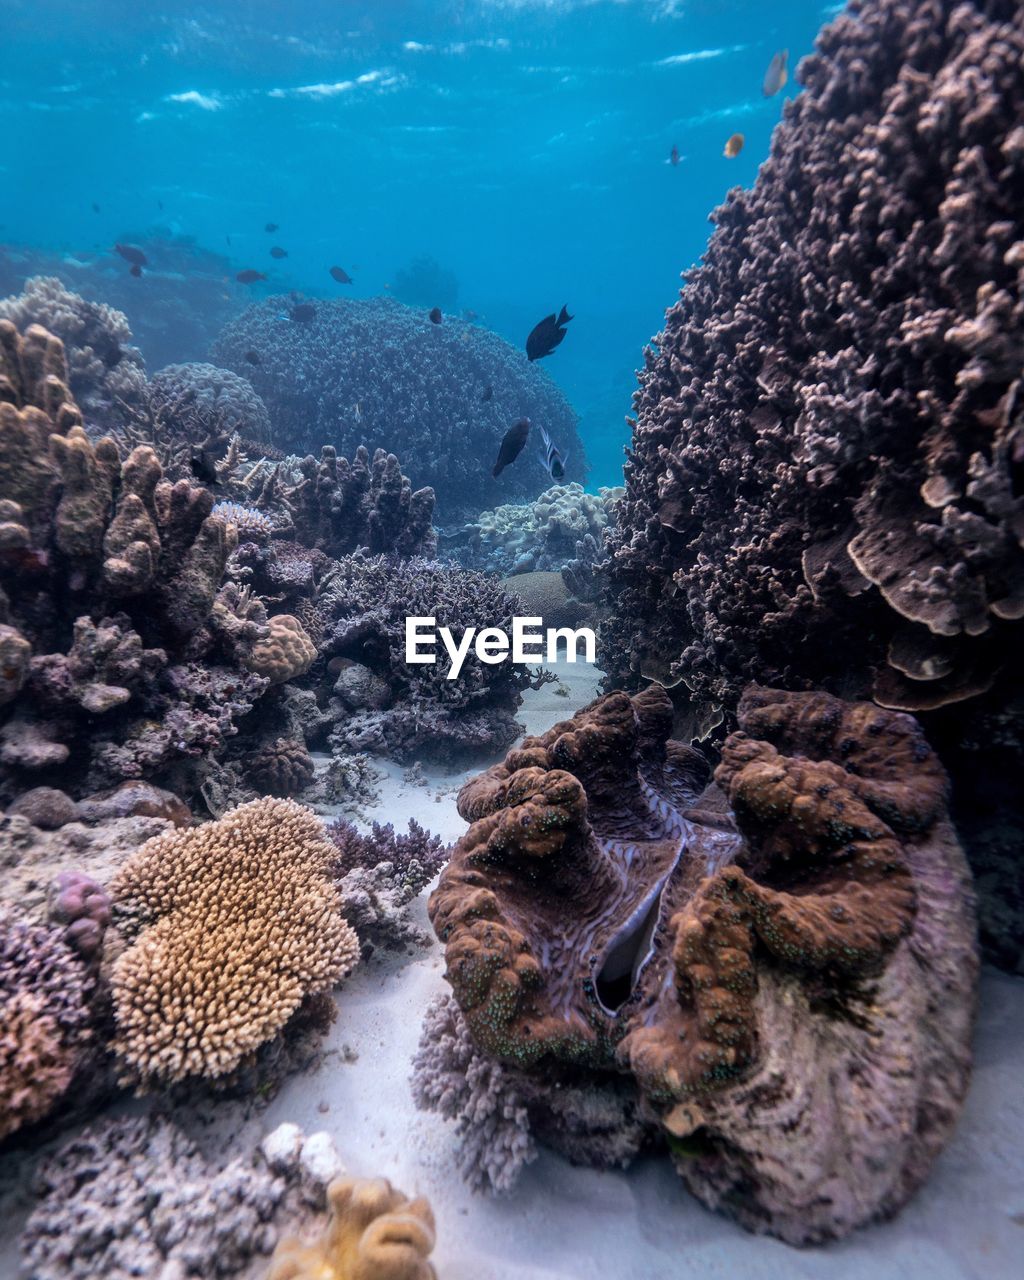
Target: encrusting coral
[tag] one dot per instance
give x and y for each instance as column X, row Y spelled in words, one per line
column 824, row 484
column 604, row 914
column 238, row 925
column 373, row 1233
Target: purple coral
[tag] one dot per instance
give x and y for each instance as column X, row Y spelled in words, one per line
column 378, row 373
column 83, row 907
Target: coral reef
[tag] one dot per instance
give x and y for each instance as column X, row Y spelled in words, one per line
column 378, row 874
column 83, row 907
column 824, row 483
column 44, row 1020
column 204, row 402
column 378, row 373
column 107, row 375
column 413, row 710
column 282, row 768
column 605, row 915
column 238, row 924
column 542, row 535
column 138, row 1197
column 373, row 1233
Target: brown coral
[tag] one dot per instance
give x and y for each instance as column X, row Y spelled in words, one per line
column 35, row 1066
column 282, row 768
column 240, row 926
column 284, row 653
column 373, row 1233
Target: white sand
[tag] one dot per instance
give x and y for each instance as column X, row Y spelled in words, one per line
column 968, row 1221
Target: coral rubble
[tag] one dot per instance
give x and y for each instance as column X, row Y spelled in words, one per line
column 375, row 372
column 824, row 483
column 782, row 963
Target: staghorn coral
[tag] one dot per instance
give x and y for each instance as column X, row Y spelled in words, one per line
column 605, row 916
column 136, row 1196
column 240, row 925
column 373, row 1233
column 376, row 373
column 282, row 768
column 44, row 1020
column 107, row 374
column 361, row 617
column 379, row 874
column 824, row 482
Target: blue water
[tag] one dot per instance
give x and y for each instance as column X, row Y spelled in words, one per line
column 523, row 144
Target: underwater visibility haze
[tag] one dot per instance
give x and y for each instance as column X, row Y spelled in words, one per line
column 511, row 594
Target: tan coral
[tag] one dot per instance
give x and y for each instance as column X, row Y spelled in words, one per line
column 283, row 654
column 373, row 1233
column 241, row 925
column 36, row 1065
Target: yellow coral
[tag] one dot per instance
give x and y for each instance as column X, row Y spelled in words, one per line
column 241, row 925
column 373, row 1233
column 285, row 653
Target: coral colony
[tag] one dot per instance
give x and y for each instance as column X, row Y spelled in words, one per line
column 272, row 626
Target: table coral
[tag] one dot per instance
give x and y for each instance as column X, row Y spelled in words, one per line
column 377, row 373
column 373, row 1233
column 607, row 913
column 824, row 483
column 239, row 925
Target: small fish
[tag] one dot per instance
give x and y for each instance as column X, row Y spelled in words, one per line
column 776, row 75
column 435, row 315
column 278, row 252
column 160, row 205
column 673, row 156
column 488, row 394
column 341, row 275
column 132, row 253
column 303, row 312
column 203, row 467
column 271, row 226
column 135, row 270
column 95, row 207
column 248, row 276
column 253, row 357
column 734, row 146
column 546, row 335
column 552, row 457
column 513, row 442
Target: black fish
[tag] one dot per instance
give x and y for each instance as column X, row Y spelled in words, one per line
column 435, row 315
column 552, row 457
column 248, row 276
column 487, row 395
column 131, row 253
column 252, row 357
column 341, row 275
column 304, row 312
column 544, row 337
column 271, row 226
column 135, row 270
column 203, row 467
column 278, row 252
column 512, row 444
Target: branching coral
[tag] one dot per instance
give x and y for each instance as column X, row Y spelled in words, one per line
column 824, row 486
column 602, row 915
column 240, row 924
column 379, row 374
column 107, row 374
column 373, row 1233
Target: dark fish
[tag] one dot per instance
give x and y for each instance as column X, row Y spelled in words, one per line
column 95, row 207
column 248, row 276
column 202, row 466
column 674, row 156
column 776, row 75
column 552, row 457
column 271, row 226
column 278, row 252
column 435, row 315
column 135, row 270
column 512, row 444
column 131, row 253
column 488, row 394
column 304, row 312
column 341, row 275
column 544, row 337
column 252, row 357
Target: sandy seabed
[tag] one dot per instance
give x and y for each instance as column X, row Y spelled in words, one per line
column 638, row 1224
